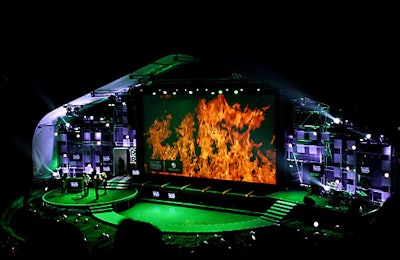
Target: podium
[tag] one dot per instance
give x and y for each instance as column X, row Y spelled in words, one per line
column 74, row 185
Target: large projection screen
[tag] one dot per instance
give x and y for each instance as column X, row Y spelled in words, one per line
column 228, row 137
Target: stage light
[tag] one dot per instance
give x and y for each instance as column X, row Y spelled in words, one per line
column 326, row 188
column 316, row 224
column 336, row 120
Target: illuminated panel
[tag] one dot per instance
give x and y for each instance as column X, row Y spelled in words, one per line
column 221, row 137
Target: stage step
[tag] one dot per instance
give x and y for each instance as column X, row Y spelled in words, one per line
column 278, row 211
column 101, row 208
column 120, row 183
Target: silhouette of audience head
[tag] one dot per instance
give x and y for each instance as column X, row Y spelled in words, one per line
column 50, row 238
column 138, row 237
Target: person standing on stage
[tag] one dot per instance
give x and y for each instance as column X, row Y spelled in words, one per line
column 64, row 183
column 121, row 166
column 96, row 183
column 86, row 182
column 104, row 176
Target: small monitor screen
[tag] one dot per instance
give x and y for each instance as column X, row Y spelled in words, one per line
column 316, row 168
column 365, row 169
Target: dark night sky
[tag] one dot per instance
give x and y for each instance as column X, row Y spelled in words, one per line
column 346, row 58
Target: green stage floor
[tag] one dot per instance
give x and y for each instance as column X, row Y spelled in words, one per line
column 182, row 219
column 77, row 199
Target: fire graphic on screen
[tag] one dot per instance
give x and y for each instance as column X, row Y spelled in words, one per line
column 214, row 141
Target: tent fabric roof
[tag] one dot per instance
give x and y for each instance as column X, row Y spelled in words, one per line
column 123, row 84
column 42, row 148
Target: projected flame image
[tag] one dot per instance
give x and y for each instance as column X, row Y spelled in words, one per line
column 223, row 137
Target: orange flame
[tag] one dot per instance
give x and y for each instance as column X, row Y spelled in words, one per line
column 223, row 148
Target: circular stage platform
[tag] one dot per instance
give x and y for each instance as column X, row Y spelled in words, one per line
column 169, row 216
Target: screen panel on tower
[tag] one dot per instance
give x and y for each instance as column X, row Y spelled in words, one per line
column 229, row 137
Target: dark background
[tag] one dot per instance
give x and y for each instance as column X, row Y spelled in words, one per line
column 344, row 56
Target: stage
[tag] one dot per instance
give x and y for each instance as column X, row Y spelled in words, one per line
column 190, row 223
column 180, row 215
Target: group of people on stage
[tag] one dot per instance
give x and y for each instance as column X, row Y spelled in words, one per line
column 98, row 180
column 90, row 176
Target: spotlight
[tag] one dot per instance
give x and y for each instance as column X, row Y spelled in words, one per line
column 316, row 224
